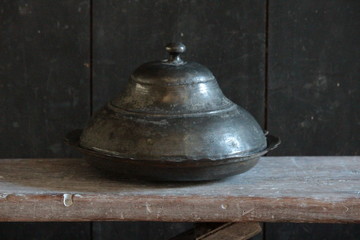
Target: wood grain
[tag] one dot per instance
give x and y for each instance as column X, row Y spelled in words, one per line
column 278, row 189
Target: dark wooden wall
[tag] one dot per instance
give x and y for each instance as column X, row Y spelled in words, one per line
column 44, row 90
column 314, row 90
column 293, row 64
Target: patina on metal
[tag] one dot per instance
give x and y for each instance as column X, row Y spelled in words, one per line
column 173, row 123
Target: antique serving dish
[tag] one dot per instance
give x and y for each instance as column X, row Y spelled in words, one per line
column 173, row 123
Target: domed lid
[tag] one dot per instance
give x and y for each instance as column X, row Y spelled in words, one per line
column 173, row 70
column 171, row 86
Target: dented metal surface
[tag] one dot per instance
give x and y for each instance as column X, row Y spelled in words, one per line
column 173, row 123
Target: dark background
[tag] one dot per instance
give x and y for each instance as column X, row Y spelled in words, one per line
column 293, row 64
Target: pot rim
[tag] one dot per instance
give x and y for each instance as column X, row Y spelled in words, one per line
column 73, row 138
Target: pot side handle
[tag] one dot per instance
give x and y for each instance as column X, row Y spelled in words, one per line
column 272, row 142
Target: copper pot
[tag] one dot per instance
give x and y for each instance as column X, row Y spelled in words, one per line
column 173, row 123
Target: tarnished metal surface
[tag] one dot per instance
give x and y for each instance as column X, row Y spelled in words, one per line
column 168, row 170
column 173, row 111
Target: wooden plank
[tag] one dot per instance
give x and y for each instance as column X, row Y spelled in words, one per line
column 187, row 235
column 233, row 231
column 44, row 90
column 314, row 90
column 220, row 231
column 278, row 189
column 226, row 36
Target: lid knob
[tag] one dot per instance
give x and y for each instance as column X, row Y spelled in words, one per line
column 174, row 50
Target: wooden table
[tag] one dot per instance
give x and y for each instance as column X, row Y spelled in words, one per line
column 278, row 189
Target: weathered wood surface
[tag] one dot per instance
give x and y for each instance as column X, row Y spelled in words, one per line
column 295, row 189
